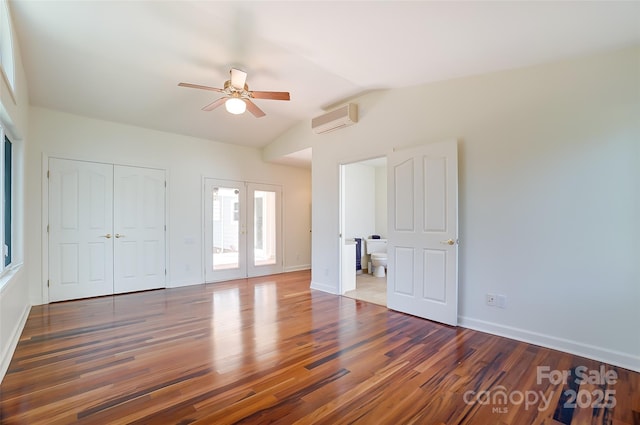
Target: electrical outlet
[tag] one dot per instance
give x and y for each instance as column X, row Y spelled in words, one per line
column 497, row 300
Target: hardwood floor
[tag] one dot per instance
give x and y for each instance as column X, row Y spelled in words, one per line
column 270, row 350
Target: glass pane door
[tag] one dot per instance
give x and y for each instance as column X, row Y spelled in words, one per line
column 226, row 226
column 238, row 245
column 225, row 230
column 264, row 227
column 264, row 232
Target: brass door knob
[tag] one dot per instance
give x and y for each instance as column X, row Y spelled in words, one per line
column 118, row 235
column 108, row 236
column 448, row 242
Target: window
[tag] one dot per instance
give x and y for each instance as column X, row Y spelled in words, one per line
column 6, row 211
column 6, row 45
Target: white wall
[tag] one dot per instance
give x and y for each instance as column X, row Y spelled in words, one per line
column 381, row 201
column 14, row 298
column 359, row 201
column 186, row 160
column 549, row 164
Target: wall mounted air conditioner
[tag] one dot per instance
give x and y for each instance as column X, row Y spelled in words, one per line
column 342, row 117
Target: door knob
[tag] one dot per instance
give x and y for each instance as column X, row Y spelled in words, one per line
column 108, row 236
column 447, row 242
column 118, row 235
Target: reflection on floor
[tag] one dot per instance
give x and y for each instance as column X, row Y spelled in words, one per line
column 370, row 288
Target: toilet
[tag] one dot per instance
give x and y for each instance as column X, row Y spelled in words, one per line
column 377, row 251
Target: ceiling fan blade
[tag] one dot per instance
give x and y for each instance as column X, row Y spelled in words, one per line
column 213, row 105
column 198, row 86
column 238, row 78
column 273, row 95
column 253, row 108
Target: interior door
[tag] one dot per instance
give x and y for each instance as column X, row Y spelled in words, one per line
column 422, row 247
column 139, row 226
column 263, row 230
column 225, row 230
column 80, row 229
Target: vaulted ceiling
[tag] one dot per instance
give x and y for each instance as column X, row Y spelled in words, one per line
column 122, row 60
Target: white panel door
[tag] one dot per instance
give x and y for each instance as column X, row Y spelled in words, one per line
column 225, row 230
column 264, row 229
column 80, row 229
column 139, row 229
column 422, row 247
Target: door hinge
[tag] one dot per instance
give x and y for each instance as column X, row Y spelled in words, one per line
column 165, row 183
column 47, row 173
column 165, row 272
column 48, row 283
column 47, row 228
column 165, row 227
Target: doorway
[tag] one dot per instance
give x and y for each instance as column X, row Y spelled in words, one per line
column 422, row 227
column 242, row 224
column 364, row 214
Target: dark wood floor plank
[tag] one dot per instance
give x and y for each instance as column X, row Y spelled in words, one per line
column 270, row 350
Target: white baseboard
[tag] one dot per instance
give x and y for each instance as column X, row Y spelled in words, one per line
column 297, row 268
column 7, row 354
column 617, row 358
column 324, row 287
column 183, row 283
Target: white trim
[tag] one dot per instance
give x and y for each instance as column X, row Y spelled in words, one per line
column 203, row 247
column 8, row 274
column 324, row 287
column 9, row 85
column 297, row 268
column 7, row 354
column 183, row 283
column 617, row 358
column 44, row 255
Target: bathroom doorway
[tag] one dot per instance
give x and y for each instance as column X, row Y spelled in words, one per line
column 363, row 214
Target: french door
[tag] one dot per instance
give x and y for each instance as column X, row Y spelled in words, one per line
column 106, row 229
column 242, row 229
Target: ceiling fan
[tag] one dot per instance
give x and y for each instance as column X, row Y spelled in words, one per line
column 237, row 96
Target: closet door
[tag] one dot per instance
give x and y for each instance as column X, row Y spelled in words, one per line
column 80, row 229
column 106, row 229
column 139, row 229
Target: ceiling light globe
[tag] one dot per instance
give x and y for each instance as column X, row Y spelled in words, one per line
column 235, row 106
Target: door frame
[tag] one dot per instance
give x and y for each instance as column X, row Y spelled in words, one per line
column 44, row 197
column 280, row 232
column 342, row 211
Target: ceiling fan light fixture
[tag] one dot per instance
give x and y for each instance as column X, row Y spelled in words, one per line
column 236, row 95
column 235, row 106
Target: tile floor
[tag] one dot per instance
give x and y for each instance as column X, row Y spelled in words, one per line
column 370, row 288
